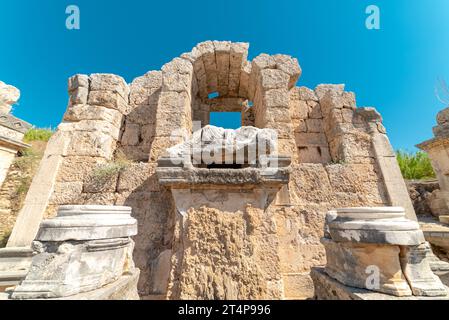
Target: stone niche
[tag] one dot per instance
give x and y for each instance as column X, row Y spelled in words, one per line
column 376, row 253
column 83, row 253
column 222, row 183
column 210, row 230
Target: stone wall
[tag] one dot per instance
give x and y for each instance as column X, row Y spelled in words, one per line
column 341, row 158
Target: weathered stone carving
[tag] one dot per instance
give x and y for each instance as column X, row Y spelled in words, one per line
column 83, row 249
column 378, row 249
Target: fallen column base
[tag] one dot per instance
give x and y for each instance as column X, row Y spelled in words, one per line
column 327, row 288
column 14, row 266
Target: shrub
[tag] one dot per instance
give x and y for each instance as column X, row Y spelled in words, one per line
column 415, row 166
column 106, row 171
column 38, row 134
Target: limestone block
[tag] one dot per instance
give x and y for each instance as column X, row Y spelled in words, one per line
column 142, row 88
column 352, row 264
column 279, row 114
column 290, row 66
column 207, row 50
column 313, row 154
column 78, row 81
column 79, row 96
column 83, row 249
column 238, row 57
column 135, row 176
column 77, row 168
column 369, row 114
column 383, row 225
column 98, row 182
column 177, row 76
column 314, row 125
column 306, row 94
column 284, row 130
column 347, row 115
column 222, row 57
column 80, row 112
column 311, row 139
column 323, row 89
column 93, row 144
column 315, row 110
column 263, row 61
column 108, row 99
column 273, row 79
column 143, row 114
column 417, row 270
column 66, row 193
column 276, row 98
column 131, row 135
column 349, row 100
column 351, row 148
column 245, row 80
column 91, row 126
column 354, row 178
column 299, row 109
column 299, row 125
column 111, row 83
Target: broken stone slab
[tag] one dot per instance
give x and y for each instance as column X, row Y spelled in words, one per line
column 375, row 267
column 83, row 249
column 417, row 269
column 14, row 265
column 217, row 145
column 383, row 225
column 327, row 288
column 9, row 95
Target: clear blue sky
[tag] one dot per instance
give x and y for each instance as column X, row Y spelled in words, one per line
column 394, row 69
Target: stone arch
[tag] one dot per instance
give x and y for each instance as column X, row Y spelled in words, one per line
column 222, row 66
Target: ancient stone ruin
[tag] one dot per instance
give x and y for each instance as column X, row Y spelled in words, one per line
column 12, row 129
column 437, row 148
column 221, row 214
column 376, row 250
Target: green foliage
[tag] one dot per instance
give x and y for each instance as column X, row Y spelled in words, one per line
column 108, row 170
column 415, row 166
column 38, row 134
